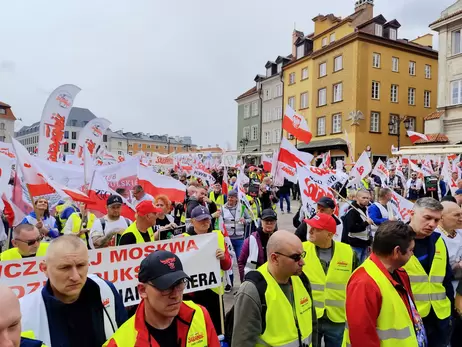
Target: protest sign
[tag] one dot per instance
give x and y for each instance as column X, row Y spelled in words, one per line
column 401, row 207
column 203, row 175
column 120, row 265
column 326, row 177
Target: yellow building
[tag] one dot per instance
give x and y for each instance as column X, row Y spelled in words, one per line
column 355, row 76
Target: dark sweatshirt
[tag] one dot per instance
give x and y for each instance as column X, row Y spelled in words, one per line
column 354, row 223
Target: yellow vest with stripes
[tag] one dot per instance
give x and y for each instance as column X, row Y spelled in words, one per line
column 281, row 329
column 126, row 335
column 329, row 291
column 132, row 229
column 13, row 253
column 428, row 290
column 76, row 221
column 394, row 326
column 220, row 201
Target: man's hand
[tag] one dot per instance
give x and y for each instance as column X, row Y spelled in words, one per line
column 172, row 226
column 216, row 214
column 220, row 254
column 39, row 225
column 242, row 220
column 369, row 221
column 392, row 219
column 83, row 231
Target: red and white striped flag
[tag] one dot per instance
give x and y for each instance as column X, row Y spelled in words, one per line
column 267, row 163
column 416, row 136
column 156, row 184
column 296, row 125
column 291, row 156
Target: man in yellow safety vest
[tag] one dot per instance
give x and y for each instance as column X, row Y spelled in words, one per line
column 380, row 309
column 330, row 266
column 217, row 196
column 27, row 243
column 80, row 224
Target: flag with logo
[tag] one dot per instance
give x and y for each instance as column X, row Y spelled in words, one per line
column 296, row 125
column 91, row 136
column 289, row 157
column 361, row 169
column 381, row 170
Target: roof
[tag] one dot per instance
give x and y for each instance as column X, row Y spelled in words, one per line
column 434, row 138
column 9, row 113
column 446, row 17
column 81, row 115
column 434, row 115
column 247, row 93
column 323, row 143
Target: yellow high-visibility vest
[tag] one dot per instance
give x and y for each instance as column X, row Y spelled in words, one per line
column 132, row 229
column 76, row 221
column 281, row 328
column 13, row 253
column 329, row 291
column 219, row 201
column 394, row 326
column 126, row 335
column 428, row 290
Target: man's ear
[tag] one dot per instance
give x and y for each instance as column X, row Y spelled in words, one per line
column 142, row 290
column 13, row 242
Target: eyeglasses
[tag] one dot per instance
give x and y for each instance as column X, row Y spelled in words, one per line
column 294, row 257
column 179, row 286
column 31, row 242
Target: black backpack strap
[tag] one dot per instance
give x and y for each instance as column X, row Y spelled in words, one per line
column 128, row 221
column 260, row 283
column 306, row 284
column 103, row 223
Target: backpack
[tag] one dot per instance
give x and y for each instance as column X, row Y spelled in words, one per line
column 260, row 283
column 103, row 226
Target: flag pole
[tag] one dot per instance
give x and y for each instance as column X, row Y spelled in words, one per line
column 351, row 205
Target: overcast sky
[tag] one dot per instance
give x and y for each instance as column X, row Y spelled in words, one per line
column 161, row 66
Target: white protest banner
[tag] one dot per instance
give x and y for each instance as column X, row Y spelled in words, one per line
column 91, row 136
column 203, row 175
column 326, row 177
column 447, row 176
column 53, row 122
column 164, row 161
column 401, row 207
column 361, row 169
column 7, row 149
column 380, row 170
column 229, row 160
column 120, row 265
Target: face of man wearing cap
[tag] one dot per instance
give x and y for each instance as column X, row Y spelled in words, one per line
column 151, row 218
column 268, row 225
column 323, row 209
column 319, row 236
column 163, row 302
column 232, row 200
column 113, row 211
column 201, row 226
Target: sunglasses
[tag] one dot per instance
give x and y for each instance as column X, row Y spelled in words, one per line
column 294, row 257
column 179, row 286
column 31, row 242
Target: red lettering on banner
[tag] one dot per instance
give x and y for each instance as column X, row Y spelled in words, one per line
column 319, row 171
column 314, row 191
column 360, row 170
column 191, row 246
column 120, row 255
column 99, row 259
column 135, row 253
column 19, row 291
column 55, row 132
column 9, row 274
column 90, row 145
column 30, row 265
column 288, row 170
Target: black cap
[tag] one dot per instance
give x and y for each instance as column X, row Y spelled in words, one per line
column 269, row 214
column 162, row 269
column 114, row 199
column 200, row 213
column 326, row 202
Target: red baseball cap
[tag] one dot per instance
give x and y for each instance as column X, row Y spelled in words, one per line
column 323, row 221
column 145, row 207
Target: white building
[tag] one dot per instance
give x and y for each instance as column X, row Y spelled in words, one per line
column 447, row 121
column 7, row 120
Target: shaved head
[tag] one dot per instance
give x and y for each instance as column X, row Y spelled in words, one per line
column 452, row 216
column 449, row 206
column 64, row 244
column 281, row 241
column 10, row 319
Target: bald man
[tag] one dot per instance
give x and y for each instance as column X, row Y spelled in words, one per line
column 267, row 299
column 10, row 322
column 74, row 308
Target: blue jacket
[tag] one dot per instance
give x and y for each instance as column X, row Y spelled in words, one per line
column 62, row 318
column 26, row 342
column 376, row 215
column 443, row 188
column 49, row 223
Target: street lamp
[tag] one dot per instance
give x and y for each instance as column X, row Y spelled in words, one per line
column 395, row 124
column 244, row 142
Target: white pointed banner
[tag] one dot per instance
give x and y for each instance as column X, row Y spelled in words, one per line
column 361, row 169
column 380, row 170
column 402, row 207
column 91, row 136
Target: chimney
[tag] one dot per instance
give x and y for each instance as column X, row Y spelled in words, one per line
column 295, row 35
column 366, row 7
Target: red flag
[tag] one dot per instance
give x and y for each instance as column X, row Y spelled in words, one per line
column 416, row 136
column 291, row 156
column 296, row 125
column 224, row 183
column 267, row 163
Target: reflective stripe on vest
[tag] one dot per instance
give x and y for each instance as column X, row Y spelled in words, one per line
column 134, row 230
column 281, row 329
column 13, row 253
column 220, row 201
column 252, row 259
column 428, row 290
column 364, row 235
column 394, row 325
column 329, row 291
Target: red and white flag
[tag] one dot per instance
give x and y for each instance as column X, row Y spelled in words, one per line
column 267, row 163
column 288, row 159
column 224, row 182
column 416, row 136
column 325, row 164
column 361, row 169
column 156, row 184
column 296, row 125
column 380, row 170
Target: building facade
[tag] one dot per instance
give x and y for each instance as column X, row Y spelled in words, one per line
column 7, row 120
column 354, row 75
column 447, row 120
column 249, row 119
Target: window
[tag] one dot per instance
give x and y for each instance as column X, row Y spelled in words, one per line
column 2, row 111
column 336, row 123
column 300, row 51
column 338, row 63
column 304, row 100
column 378, row 30
column 456, row 92
column 266, row 117
column 412, row 126
column 119, row 143
column 66, row 147
column 427, row 98
column 73, row 145
column 332, row 37
column 278, row 90
column 269, row 71
column 395, row 120
column 254, row 133
column 2, row 126
column 321, row 126
column 375, row 90
column 279, row 67
column 394, row 64
column 455, row 41
column 394, row 93
column 428, row 71
column 246, row 133
column 338, row 92
column 375, row 122
column 278, row 113
column 255, row 108
column 276, row 135
column 74, row 135
column 393, row 34
column 119, row 152
column 411, row 96
column 376, row 60
column 291, row 102
column 104, row 138
column 246, row 111
column 292, row 78
column 304, row 73
column 322, row 69
column 66, row 134
column 267, row 94
column 322, row 97
column 412, row 68
column 324, row 41
column 267, row 137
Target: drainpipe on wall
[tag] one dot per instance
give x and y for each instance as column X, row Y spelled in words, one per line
column 261, row 117
column 281, row 75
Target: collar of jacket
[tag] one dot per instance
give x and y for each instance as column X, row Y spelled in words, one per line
column 89, row 290
column 401, row 273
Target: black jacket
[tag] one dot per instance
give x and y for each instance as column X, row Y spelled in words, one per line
column 353, row 223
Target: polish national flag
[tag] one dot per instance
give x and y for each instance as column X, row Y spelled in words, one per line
column 224, row 182
column 291, row 156
column 416, row 136
column 156, row 184
column 267, row 163
column 296, row 125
